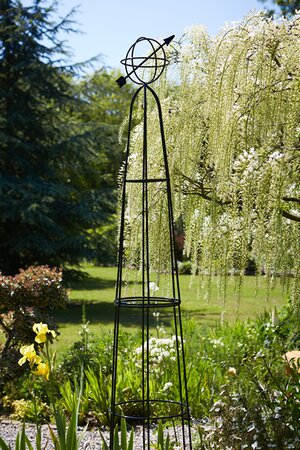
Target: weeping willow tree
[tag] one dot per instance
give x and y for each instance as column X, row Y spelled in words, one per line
column 231, row 110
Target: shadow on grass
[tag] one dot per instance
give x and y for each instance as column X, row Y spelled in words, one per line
column 103, row 312
column 95, row 284
column 92, row 284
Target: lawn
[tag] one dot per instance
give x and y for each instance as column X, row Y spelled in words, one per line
column 98, row 292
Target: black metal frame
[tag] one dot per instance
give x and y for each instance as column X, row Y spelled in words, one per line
column 145, row 303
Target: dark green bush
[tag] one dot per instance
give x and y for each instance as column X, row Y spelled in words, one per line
column 185, row 267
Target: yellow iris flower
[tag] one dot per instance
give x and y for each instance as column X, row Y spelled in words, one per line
column 29, row 354
column 41, row 330
column 42, row 369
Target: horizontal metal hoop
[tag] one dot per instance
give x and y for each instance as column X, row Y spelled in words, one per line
column 143, row 404
column 157, row 62
column 145, row 302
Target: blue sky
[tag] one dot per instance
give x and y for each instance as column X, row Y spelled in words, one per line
column 110, row 27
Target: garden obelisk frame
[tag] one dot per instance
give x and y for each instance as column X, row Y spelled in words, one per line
column 147, row 404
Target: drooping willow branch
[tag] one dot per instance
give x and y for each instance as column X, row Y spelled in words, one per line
column 232, row 131
column 199, row 189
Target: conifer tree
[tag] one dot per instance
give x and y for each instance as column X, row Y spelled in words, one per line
column 48, row 205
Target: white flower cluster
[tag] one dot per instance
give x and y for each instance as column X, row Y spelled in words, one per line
column 196, row 33
column 275, row 157
column 161, row 350
column 245, row 159
column 216, row 342
column 196, row 38
column 247, row 163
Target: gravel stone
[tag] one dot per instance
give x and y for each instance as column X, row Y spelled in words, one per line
column 91, row 439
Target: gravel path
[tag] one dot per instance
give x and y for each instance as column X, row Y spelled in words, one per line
column 91, row 440
column 10, row 428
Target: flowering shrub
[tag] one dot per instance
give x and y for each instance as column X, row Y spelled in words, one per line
column 161, row 351
column 28, row 397
column 37, row 286
column 257, row 408
column 236, row 185
column 26, row 298
column 29, row 410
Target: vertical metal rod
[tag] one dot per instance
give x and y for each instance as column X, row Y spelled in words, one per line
column 119, row 281
column 122, row 221
column 114, row 375
column 185, row 380
column 145, row 184
column 144, row 266
column 174, row 272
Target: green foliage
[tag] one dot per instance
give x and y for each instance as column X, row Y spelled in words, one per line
column 162, row 442
column 231, row 113
column 70, row 396
column 105, row 243
column 214, row 358
column 30, row 410
column 120, row 444
column 25, row 398
column 104, row 107
column 241, row 389
column 4, row 446
column 257, row 407
column 257, row 403
column 287, row 7
column 98, row 388
column 67, row 437
column 185, row 267
column 26, row 298
column 94, row 354
column 55, row 188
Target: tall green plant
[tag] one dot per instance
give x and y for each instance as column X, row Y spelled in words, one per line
column 120, row 443
column 67, row 437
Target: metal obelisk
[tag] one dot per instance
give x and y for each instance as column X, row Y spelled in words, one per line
column 147, row 404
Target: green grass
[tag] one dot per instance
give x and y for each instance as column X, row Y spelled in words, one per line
column 98, row 293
